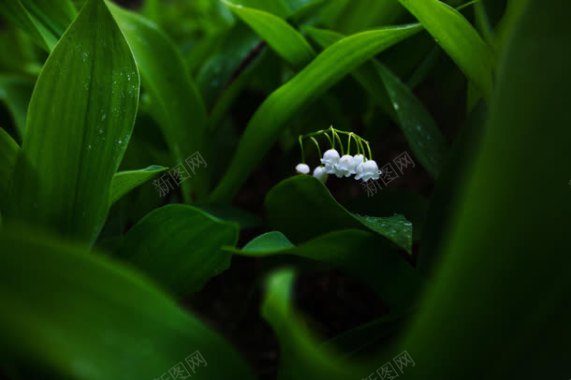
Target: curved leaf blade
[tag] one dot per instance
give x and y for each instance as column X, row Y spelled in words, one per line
column 301, row 354
column 89, row 317
column 270, row 241
column 458, row 38
column 303, row 208
column 422, row 134
column 282, row 37
column 179, row 246
column 494, row 263
column 125, row 181
column 80, row 120
column 315, row 79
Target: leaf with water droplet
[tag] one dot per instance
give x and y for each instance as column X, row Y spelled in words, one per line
column 57, row 167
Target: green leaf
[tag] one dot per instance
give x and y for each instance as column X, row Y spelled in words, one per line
column 504, row 276
column 422, row 134
column 303, row 208
column 125, row 181
column 176, row 103
column 87, row 317
column 301, row 356
column 358, row 253
column 458, row 38
column 281, row 36
column 8, row 155
column 179, row 246
column 270, row 241
column 314, row 80
column 79, row 123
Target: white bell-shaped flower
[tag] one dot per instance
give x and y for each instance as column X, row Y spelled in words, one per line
column 368, row 170
column 329, row 160
column 345, row 167
column 320, row 173
column 358, row 159
column 302, row 169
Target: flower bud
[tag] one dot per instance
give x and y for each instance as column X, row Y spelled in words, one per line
column 320, row 173
column 302, row 169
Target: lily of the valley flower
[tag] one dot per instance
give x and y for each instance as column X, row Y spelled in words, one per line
column 358, row 159
column 302, row 169
column 329, row 160
column 320, row 173
column 345, row 167
column 368, row 170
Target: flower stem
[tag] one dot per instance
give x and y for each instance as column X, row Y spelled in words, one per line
column 300, row 139
column 317, row 146
column 349, row 143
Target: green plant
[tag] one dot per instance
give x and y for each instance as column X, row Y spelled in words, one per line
column 137, row 145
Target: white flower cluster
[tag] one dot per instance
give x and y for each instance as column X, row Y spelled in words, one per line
column 344, row 166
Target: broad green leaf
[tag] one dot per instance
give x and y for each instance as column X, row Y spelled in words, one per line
column 315, row 79
column 422, row 134
column 125, row 181
column 302, row 208
column 79, row 123
column 281, row 36
column 175, row 101
column 270, row 241
column 8, row 155
column 458, row 38
column 179, row 246
column 15, row 92
column 504, row 270
column 301, row 356
column 87, row 317
column 358, row 253
column 420, row 129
